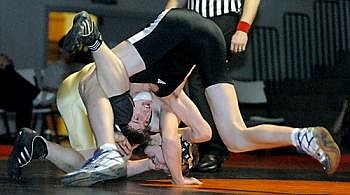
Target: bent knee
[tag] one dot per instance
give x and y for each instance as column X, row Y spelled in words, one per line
column 207, row 135
column 203, row 134
column 207, row 132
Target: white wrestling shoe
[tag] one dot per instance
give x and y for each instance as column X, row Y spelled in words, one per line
column 104, row 165
column 318, row 143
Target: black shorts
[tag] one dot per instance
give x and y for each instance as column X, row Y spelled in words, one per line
column 123, row 107
column 173, row 43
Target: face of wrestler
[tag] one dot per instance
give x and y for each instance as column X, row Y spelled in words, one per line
column 142, row 113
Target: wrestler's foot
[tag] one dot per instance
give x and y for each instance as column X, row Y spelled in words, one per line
column 28, row 145
column 83, row 33
column 104, row 165
column 318, row 143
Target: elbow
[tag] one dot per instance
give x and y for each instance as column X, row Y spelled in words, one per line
column 202, row 135
column 207, row 133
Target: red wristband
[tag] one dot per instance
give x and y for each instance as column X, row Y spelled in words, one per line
column 243, row 26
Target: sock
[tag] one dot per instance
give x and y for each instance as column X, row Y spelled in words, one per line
column 95, row 45
column 108, row 146
column 302, row 139
column 295, row 137
column 95, row 40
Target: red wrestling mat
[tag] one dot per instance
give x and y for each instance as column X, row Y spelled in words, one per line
column 256, row 186
column 5, row 151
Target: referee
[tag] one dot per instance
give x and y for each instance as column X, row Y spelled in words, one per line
column 234, row 18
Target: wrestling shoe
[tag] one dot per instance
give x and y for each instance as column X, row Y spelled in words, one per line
column 28, row 145
column 104, row 165
column 83, row 33
column 318, row 143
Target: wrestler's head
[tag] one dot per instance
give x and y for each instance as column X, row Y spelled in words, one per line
column 142, row 112
column 135, row 136
column 137, row 130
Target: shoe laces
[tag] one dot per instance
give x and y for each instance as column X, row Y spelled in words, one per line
column 96, row 159
column 307, row 142
column 97, row 154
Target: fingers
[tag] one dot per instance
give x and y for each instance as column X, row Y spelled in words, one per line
column 239, row 42
column 127, row 145
column 192, row 181
column 123, row 144
column 120, row 150
column 158, row 165
column 124, row 147
column 238, row 48
column 161, row 167
column 195, row 181
column 135, row 146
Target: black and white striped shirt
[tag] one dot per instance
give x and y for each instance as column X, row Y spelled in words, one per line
column 211, row 8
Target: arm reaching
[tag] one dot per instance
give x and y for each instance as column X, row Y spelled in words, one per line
column 171, row 147
column 171, row 144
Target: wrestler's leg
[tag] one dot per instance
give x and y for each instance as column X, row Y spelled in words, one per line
column 222, row 98
column 100, row 113
column 82, row 103
column 111, row 74
column 66, row 159
column 106, row 162
column 237, row 137
column 81, row 138
column 316, row 141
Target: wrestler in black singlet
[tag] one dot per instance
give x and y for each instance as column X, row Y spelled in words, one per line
column 177, row 41
column 170, row 46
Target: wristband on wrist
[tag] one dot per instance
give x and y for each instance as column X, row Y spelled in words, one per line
column 243, row 26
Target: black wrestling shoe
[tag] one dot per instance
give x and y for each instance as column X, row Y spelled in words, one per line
column 28, row 145
column 83, row 33
column 210, row 163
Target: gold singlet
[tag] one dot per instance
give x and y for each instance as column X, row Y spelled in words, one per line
column 74, row 113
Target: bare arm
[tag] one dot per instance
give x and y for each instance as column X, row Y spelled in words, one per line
column 250, row 8
column 139, row 166
column 239, row 39
column 175, row 4
column 171, row 146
